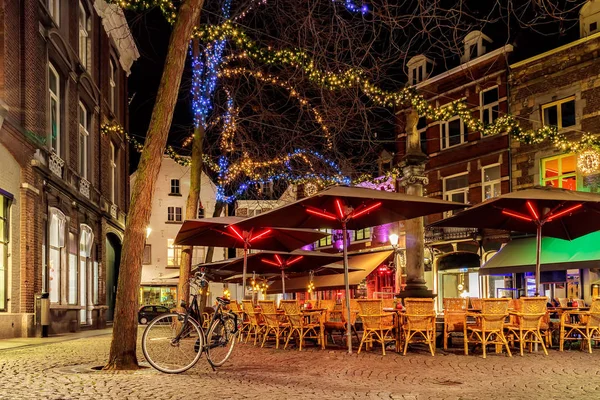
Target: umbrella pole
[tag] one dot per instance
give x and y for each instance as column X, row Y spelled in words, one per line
column 244, row 271
column 347, row 286
column 283, row 282
column 538, row 252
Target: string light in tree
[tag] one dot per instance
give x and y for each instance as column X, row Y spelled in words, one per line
column 352, row 6
column 588, row 162
column 166, row 6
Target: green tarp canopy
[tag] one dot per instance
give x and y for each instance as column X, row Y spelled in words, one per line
column 557, row 254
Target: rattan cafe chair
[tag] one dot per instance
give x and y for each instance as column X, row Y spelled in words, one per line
column 298, row 324
column 257, row 324
column 455, row 317
column 275, row 324
column 419, row 323
column 489, row 325
column 237, row 310
column 584, row 326
column 526, row 326
column 378, row 326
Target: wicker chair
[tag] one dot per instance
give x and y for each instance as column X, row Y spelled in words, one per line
column 336, row 321
column 275, row 325
column 388, row 303
column 237, row 310
column 455, row 317
column 587, row 326
column 377, row 325
column 476, row 303
column 298, row 324
column 526, row 327
column 489, row 326
column 313, row 303
column 419, row 323
column 257, row 324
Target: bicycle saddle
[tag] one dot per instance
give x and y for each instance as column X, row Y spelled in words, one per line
column 223, row 300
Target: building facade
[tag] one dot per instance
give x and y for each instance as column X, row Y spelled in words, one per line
column 160, row 269
column 461, row 165
column 64, row 188
column 560, row 88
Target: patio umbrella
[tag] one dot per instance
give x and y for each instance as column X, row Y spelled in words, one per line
column 270, row 262
column 342, row 207
column 545, row 211
column 224, row 232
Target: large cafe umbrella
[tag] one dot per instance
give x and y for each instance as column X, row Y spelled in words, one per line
column 225, row 232
column 297, row 262
column 545, row 211
column 342, row 207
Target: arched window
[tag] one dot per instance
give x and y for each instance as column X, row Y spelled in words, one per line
column 86, row 241
column 56, row 241
column 419, row 68
column 474, row 45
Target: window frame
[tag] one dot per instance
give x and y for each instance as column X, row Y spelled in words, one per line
column 53, row 7
column 174, row 214
column 113, row 172
column 56, row 97
column 175, row 187
column 147, row 255
column 448, row 193
column 173, row 254
column 61, row 221
column 112, row 85
column 558, row 104
column 327, row 240
column 445, row 126
column 560, row 175
column 83, row 140
column 491, row 183
column 5, row 242
column 483, row 107
column 366, row 235
column 84, row 28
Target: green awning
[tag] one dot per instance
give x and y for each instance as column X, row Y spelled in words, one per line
column 557, row 254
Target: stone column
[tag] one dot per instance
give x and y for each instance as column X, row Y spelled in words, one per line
column 413, row 179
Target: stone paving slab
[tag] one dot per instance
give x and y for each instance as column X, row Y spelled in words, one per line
column 64, row 371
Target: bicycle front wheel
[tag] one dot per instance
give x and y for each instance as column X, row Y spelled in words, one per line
column 220, row 341
column 172, row 346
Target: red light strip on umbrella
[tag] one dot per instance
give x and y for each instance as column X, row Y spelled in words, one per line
column 563, row 212
column 270, row 262
column 278, row 259
column 517, row 215
column 260, row 235
column 365, row 210
column 339, row 209
column 237, row 233
column 323, row 214
column 533, row 211
column 294, row 260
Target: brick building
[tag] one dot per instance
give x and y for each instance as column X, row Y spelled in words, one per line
column 559, row 88
column 64, row 186
column 461, row 166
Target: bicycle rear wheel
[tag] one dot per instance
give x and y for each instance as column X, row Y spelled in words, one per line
column 170, row 346
column 220, row 341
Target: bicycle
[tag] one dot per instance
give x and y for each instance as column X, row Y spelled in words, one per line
column 174, row 342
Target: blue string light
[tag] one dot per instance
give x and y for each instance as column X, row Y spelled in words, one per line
column 352, row 6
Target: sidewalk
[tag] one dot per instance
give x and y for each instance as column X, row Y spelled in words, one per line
column 6, row 344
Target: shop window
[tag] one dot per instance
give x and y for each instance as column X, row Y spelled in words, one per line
column 362, row 234
column 56, row 239
column 72, row 270
column 491, row 181
column 86, row 242
column 4, row 249
column 327, row 240
column 560, row 114
column 165, row 296
column 560, row 171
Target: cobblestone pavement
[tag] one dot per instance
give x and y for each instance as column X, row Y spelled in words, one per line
column 63, row 371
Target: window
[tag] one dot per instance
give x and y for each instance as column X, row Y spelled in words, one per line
column 174, row 214
column 112, row 82
column 113, row 177
column 491, row 181
column 198, row 255
column 56, row 239
column 422, row 130
column 175, row 190
column 200, row 211
column 456, row 188
column 560, row 114
column 362, row 234
column 147, row 256
column 419, row 68
column 84, row 133
column 173, row 254
column 474, row 45
column 95, row 282
column 453, row 133
column 54, row 93
column 84, row 35
column 72, row 270
column 327, row 240
column 54, row 10
column 560, row 171
column 86, row 242
column 593, row 27
column 4, row 249
column 489, row 105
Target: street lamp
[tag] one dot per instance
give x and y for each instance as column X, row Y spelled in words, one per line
column 394, row 242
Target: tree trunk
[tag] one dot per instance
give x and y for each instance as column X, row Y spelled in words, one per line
column 125, row 328
column 191, row 207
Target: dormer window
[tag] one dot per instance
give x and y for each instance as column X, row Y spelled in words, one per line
column 475, row 46
column 419, row 68
column 589, row 18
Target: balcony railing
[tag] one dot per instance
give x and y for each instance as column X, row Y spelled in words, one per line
column 438, row 234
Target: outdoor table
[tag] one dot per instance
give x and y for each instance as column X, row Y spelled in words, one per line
column 397, row 318
column 307, row 313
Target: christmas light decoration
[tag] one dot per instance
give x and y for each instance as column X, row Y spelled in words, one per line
column 588, row 162
column 355, row 8
column 166, row 6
